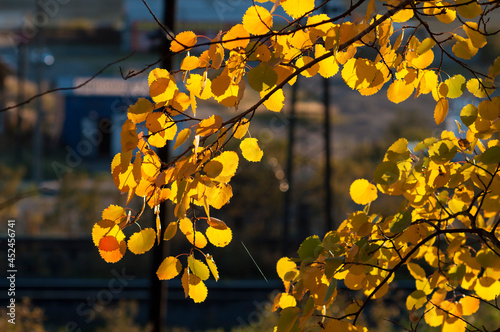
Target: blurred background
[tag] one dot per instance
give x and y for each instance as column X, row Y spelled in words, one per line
column 56, row 153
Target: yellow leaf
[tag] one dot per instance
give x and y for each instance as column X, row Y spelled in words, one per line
column 275, row 102
column 114, row 255
column 479, row 88
column 487, row 288
column 416, row 300
column 199, row 86
column 198, row 268
column 138, row 112
column 189, row 63
column 363, row 192
column 141, row 241
column 464, row 48
column 236, row 32
column 287, row 300
column 488, row 110
column 399, row 91
column 170, row 231
column 229, row 161
column 183, row 41
column 241, row 129
column 297, row 8
column 219, row 237
column 219, row 195
column 162, row 86
column 470, row 305
column 114, row 213
column 328, row 67
column 212, row 266
column 197, row 238
column 474, row 33
column 169, row 268
column 286, row 268
column 257, row 20
column 304, row 61
column 250, row 149
column 416, row 271
column 161, row 128
column 446, row 13
column 129, row 138
column 182, row 137
column 209, row 126
column 441, row 110
column 197, row 289
column 470, row 10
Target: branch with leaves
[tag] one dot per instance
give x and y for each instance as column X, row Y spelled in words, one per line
column 445, row 233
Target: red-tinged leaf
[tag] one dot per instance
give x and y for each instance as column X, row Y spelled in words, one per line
column 109, row 243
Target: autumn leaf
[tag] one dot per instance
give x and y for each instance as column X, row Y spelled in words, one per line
column 142, row 241
column 363, row 192
column 251, row 150
column 169, row 268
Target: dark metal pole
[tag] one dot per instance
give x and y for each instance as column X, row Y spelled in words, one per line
column 158, row 288
column 328, row 168
column 289, row 172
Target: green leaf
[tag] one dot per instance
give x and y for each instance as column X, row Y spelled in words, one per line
column 262, row 77
column 400, row 222
column 287, row 320
column 386, row 173
column 310, row 247
column 491, row 155
column 468, row 114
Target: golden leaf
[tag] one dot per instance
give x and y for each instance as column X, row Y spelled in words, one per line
column 209, row 126
column 169, row 268
column 183, row 41
column 257, row 20
column 141, row 241
column 219, row 237
column 363, row 192
column 250, row 149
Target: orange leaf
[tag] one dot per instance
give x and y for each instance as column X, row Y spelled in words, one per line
column 183, row 41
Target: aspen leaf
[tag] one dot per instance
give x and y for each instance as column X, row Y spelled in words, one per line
column 220, row 84
column 287, row 300
column 441, row 110
column 262, row 77
column 468, row 9
column 216, row 223
column 241, row 129
column 108, row 243
column 209, row 126
column 447, row 13
column 275, row 102
column 114, row 213
column 250, row 149
column 456, row 86
column 212, row 266
column 213, row 168
column 400, row 222
column 194, row 237
column 189, row 63
column 161, row 129
column 386, row 173
column 219, row 195
column 236, row 32
column 491, row 155
column 363, row 192
column 399, row 91
column 257, row 20
column 141, row 241
column 297, row 8
column 488, row 110
column 416, row 300
column 416, row 271
column 138, row 112
column 219, row 237
column 229, row 161
column 304, row 61
column 169, row 268
column 477, row 38
column 328, row 67
column 182, row 137
column 310, row 247
column 170, row 231
column 199, row 86
column 288, row 318
column 183, row 41
column 162, row 86
column 198, row 268
column 464, row 48
column 442, row 151
column 285, row 268
column 470, row 305
column 479, row 88
column 129, row 138
column 197, row 289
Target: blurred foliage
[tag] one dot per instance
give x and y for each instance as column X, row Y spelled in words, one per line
column 28, row 318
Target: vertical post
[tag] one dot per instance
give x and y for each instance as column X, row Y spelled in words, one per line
column 289, row 172
column 158, row 289
column 328, row 168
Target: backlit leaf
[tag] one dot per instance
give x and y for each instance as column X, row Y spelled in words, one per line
column 212, row 266
column 236, row 32
column 229, row 161
column 297, row 8
column 197, row 289
column 169, row 268
column 209, row 126
column 198, row 268
column 250, row 149
column 386, row 173
column 262, row 77
column 441, row 110
column 468, row 114
column 183, row 41
column 491, row 155
column 170, row 231
column 288, row 317
column 399, row 91
column 363, row 192
column 138, row 112
column 257, row 20
column 142, row 241
column 219, row 237
column 108, row 243
column 182, row 137
column 129, row 137
column 275, row 102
